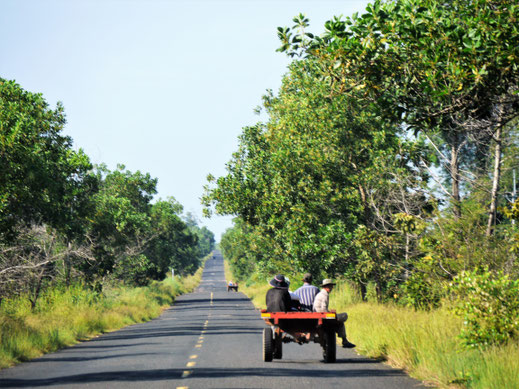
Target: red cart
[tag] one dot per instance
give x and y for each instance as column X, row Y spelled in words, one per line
column 299, row 327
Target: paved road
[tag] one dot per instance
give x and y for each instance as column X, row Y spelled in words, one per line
column 209, row 339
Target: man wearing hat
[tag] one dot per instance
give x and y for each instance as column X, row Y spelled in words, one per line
column 278, row 298
column 321, row 305
column 307, row 293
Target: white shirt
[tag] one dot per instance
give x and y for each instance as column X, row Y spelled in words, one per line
column 321, row 301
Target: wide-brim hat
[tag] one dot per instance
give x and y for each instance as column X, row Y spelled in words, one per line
column 327, row 281
column 279, row 282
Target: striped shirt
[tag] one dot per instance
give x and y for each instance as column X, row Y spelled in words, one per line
column 306, row 295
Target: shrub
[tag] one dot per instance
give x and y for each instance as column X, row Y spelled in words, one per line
column 421, row 292
column 489, row 305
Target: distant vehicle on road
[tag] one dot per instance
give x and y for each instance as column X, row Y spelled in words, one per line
column 232, row 286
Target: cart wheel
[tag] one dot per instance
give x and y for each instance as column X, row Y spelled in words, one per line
column 330, row 347
column 268, row 345
column 278, row 347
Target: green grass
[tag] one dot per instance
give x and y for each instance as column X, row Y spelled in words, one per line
column 423, row 343
column 64, row 316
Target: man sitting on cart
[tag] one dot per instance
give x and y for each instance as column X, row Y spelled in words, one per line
column 321, row 305
column 307, row 293
column 278, row 298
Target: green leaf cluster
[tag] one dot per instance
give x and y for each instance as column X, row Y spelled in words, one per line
column 489, row 305
column 42, row 179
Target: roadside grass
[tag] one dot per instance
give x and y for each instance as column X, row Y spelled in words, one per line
column 66, row 315
column 423, row 343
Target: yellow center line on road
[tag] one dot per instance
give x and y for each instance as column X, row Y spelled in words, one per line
column 193, row 357
column 191, row 364
column 198, row 345
column 182, row 387
column 186, row 373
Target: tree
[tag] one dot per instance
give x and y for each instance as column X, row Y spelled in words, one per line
column 307, row 179
column 174, row 244
column 206, row 241
column 42, row 180
column 447, row 69
column 121, row 222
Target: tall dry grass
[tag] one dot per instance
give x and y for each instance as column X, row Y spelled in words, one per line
column 425, row 343
column 64, row 316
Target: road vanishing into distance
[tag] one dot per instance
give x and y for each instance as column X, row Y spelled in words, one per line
column 210, row 338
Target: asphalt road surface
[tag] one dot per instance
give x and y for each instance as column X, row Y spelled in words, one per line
column 209, row 339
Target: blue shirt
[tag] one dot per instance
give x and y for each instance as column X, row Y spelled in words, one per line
column 307, row 295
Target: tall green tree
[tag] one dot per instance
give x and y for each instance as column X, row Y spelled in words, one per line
column 173, row 245
column 448, row 70
column 121, row 221
column 42, row 179
column 306, row 180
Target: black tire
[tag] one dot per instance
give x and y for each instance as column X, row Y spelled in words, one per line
column 268, row 345
column 330, row 347
column 278, row 347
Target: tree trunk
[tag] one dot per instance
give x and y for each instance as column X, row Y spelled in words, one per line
column 407, row 250
column 34, row 298
column 455, row 177
column 363, row 291
column 67, row 265
column 495, row 181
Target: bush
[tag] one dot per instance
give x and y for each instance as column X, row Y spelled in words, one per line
column 489, row 305
column 421, row 292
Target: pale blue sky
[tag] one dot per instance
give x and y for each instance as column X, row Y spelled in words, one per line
column 163, row 87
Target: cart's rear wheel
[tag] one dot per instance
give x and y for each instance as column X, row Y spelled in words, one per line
column 330, row 347
column 268, row 345
column 278, row 347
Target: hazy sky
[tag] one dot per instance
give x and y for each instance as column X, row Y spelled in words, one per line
column 163, row 87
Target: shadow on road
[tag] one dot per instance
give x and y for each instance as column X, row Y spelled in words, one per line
column 95, row 358
column 168, row 374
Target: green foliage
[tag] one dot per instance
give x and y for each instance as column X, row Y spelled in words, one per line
column 304, row 181
column 424, row 64
column 174, row 244
column 453, row 245
column 421, row 291
column 60, row 222
column 238, row 249
column 489, row 305
column 121, row 221
column 42, row 179
column 137, row 241
column 206, row 241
